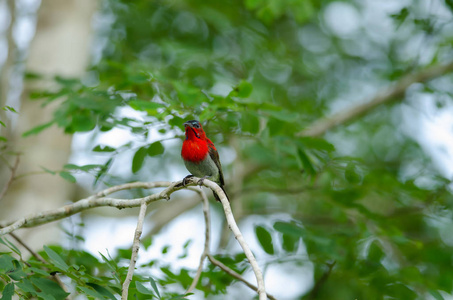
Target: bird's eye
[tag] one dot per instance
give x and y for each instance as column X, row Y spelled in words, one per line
column 196, row 125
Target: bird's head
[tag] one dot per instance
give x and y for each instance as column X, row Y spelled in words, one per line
column 194, row 130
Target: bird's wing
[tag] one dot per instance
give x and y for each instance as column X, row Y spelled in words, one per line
column 215, row 157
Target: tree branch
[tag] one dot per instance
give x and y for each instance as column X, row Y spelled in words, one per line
column 11, row 178
column 234, row 274
column 99, row 199
column 205, row 253
column 91, row 202
column 238, row 235
column 392, row 93
column 135, row 249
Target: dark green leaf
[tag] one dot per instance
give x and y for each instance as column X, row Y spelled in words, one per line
column 306, row 162
column 265, row 239
column 143, row 290
column 289, row 228
column 147, row 106
column 155, row 148
column 103, row 148
column 49, row 288
column 8, row 292
column 154, row 285
column 139, row 158
column 56, row 259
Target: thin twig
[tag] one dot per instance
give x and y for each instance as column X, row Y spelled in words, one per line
column 238, row 235
column 135, row 249
column 10, row 180
column 393, row 93
column 205, row 253
column 234, row 274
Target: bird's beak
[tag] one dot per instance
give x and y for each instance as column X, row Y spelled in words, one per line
column 188, row 124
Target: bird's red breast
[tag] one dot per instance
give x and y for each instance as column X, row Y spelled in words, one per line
column 195, row 147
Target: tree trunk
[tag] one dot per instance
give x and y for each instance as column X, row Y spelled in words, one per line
column 60, row 47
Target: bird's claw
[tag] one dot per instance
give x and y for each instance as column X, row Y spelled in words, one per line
column 184, row 181
column 200, row 182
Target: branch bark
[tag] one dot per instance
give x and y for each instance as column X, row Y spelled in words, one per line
column 99, row 199
column 135, row 248
column 238, row 235
column 391, row 94
column 205, row 253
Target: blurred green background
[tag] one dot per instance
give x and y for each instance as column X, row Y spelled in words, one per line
column 367, row 206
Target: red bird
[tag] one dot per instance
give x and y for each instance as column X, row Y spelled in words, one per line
column 200, row 155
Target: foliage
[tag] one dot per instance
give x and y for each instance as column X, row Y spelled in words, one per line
column 256, row 73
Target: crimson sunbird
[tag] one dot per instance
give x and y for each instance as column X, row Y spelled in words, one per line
column 200, row 155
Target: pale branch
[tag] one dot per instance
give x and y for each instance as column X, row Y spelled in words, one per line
column 11, row 178
column 234, row 274
column 135, row 249
column 205, row 253
column 392, row 93
column 238, row 235
column 91, row 202
column 99, row 200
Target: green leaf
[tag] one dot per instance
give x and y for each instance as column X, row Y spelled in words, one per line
column 6, row 263
column 265, row 239
column 3, row 139
column 8, row 292
column 436, row 295
column 103, row 148
column 102, row 291
column 37, row 129
column 49, row 288
column 147, row 106
column 290, row 242
column 289, row 228
column 67, row 176
column 306, row 162
column 155, row 148
column 3, row 124
column 139, row 158
column 56, row 259
column 26, row 286
column 154, row 285
column 9, row 108
column 143, row 289
column 91, row 292
column 10, row 245
column 244, row 89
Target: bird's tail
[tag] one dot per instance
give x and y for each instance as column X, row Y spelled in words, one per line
column 217, row 196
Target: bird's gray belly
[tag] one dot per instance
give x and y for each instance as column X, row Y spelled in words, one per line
column 207, row 167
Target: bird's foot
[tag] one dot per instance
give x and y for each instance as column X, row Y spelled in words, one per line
column 184, row 181
column 200, row 182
